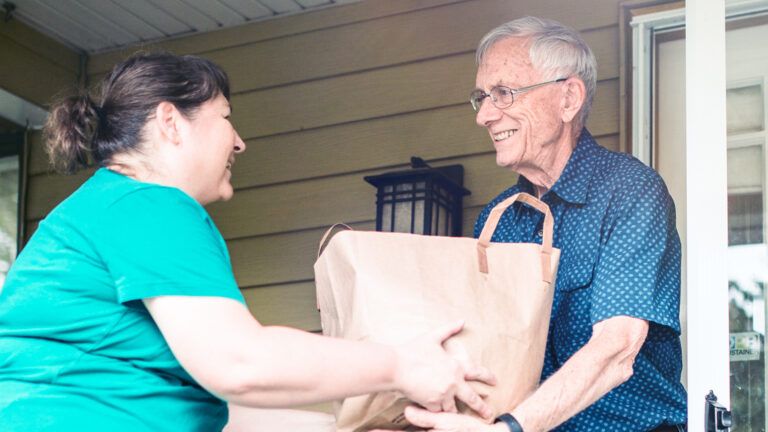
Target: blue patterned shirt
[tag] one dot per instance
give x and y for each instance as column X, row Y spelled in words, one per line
column 620, row 255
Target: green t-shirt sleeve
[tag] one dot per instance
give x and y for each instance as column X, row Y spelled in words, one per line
column 158, row 241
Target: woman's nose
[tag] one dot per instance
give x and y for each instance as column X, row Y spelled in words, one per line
column 239, row 144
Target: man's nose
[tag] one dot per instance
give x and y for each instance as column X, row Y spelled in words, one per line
column 488, row 113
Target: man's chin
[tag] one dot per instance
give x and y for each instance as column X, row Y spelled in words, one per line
column 506, row 162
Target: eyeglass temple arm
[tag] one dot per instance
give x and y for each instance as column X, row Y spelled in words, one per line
column 531, row 87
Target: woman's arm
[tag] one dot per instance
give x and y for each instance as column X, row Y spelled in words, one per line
column 229, row 353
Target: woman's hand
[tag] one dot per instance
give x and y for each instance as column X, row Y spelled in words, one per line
column 448, row 422
column 429, row 376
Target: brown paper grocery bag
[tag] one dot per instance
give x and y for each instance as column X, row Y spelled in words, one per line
column 392, row 287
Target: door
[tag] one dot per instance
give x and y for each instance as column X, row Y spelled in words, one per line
column 747, row 253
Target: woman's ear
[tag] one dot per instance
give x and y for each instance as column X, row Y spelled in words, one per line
column 168, row 120
column 574, row 96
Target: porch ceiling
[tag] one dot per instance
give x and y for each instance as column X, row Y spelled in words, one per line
column 93, row 26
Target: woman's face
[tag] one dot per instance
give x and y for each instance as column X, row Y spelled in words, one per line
column 211, row 144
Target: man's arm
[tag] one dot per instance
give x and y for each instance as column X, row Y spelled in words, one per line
column 604, row 363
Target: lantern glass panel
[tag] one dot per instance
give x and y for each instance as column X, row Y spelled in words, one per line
column 419, row 207
column 404, row 187
column 435, row 219
column 403, row 207
column 418, row 216
column 443, row 218
column 386, row 217
column 402, row 217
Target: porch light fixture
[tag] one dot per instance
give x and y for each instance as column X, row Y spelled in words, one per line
column 420, row 200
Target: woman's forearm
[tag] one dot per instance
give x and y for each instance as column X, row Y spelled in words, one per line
column 229, row 353
column 285, row 367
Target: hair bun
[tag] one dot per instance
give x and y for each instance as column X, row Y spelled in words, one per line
column 70, row 131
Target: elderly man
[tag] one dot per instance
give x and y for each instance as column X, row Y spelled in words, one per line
column 613, row 356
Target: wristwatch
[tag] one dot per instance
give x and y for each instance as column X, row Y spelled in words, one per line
column 511, row 422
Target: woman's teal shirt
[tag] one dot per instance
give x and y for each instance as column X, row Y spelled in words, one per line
column 78, row 349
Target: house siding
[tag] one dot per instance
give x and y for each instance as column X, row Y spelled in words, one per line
column 323, row 99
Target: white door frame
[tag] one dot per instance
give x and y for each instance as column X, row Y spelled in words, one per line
column 706, row 181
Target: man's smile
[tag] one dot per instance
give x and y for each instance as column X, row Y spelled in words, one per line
column 503, row 134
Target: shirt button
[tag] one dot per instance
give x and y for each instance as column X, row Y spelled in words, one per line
column 540, row 233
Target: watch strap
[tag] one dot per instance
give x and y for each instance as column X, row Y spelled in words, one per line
column 511, row 422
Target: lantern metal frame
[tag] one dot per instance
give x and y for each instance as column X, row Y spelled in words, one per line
column 438, row 187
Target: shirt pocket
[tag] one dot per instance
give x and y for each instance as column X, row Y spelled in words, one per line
column 574, row 273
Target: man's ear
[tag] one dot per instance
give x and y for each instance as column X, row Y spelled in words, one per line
column 168, row 120
column 574, row 96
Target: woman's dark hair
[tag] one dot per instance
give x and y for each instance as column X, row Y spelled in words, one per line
column 82, row 130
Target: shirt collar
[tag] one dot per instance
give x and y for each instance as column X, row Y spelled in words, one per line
column 573, row 183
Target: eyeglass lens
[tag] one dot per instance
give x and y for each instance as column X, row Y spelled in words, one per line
column 501, row 97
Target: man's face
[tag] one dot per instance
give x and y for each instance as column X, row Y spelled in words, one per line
column 526, row 133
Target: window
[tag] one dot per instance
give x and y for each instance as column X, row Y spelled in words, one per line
column 10, row 162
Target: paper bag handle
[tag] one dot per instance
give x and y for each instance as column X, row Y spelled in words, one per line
column 493, row 220
column 327, row 236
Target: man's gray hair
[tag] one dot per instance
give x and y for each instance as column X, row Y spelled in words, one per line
column 556, row 51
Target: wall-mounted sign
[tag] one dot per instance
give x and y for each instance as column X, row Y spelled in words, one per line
column 745, row 346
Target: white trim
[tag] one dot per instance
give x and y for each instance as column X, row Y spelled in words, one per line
column 644, row 28
column 751, row 139
column 745, row 190
column 736, row 8
column 706, row 222
column 641, row 100
column 20, row 111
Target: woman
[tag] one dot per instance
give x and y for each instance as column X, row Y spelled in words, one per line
column 122, row 312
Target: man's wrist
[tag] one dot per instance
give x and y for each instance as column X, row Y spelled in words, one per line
column 510, row 421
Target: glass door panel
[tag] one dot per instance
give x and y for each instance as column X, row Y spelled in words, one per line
column 747, row 248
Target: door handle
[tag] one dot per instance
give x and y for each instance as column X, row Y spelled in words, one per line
column 717, row 418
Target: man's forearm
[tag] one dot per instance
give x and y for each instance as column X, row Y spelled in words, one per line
column 602, row 364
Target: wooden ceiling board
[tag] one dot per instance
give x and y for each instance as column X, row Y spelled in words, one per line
column 96, row 22
column 41, row 16
column 313, row 3
column 190, row 15
column 140, row 29
column 158, row 18
column 223, row 15
column 281, row 6
column 250, row 9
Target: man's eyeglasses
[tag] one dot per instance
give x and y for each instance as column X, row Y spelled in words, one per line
column 502, row 96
